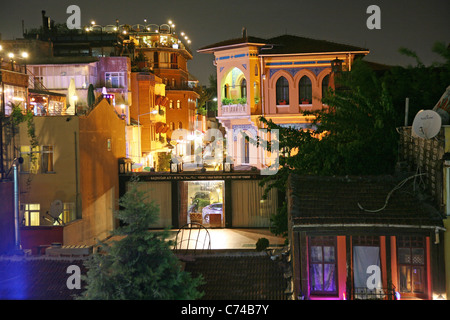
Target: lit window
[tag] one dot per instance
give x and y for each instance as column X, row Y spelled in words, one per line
column 246, row 153
column 411, row 264
column 171, row 104
column 243, row 88
column 114, row 79
column 69, row 213
column 322, row 265
column 30, row 159
column 32, row 214
column 178, row 104
column 47, row 159
column 305, row 90
column 282, row 91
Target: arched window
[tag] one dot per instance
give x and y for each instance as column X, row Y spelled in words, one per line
column 180, row 125
column 244, row 88
column 226, row 91
column 305, row 90
column 325, row 84
column 178, row 104
column 246, row 151
column 171, row 104
column 282, row 88
column 172, row 126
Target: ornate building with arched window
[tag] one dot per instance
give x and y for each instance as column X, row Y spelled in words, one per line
column 278, row 78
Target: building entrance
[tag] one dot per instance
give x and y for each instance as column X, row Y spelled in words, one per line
column 203, row 202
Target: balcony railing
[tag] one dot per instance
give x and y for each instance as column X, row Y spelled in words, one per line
column 364, row 293
column 12, row 66
column 234, row 109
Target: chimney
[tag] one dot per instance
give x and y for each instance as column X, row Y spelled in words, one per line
column 244, row 32
column 45, row 21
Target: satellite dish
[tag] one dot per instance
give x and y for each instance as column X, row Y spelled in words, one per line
column 56, row 208
column 427, row 124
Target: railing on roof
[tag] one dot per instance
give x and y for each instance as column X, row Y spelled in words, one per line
column 364, row 293
column 12, row 66
column 192, row 237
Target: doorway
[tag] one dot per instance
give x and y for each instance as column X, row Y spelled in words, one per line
column 203, row 202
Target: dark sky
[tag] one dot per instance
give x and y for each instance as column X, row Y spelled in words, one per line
column 415, row 24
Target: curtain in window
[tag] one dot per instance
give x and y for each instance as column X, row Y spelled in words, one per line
column 282, row 91
column 47, row 159
column 305, row 89
column 248, row 207
column 322, row 269
column 363, row 257
column 161, row 193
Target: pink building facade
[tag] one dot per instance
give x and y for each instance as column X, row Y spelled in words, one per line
column 276, row 78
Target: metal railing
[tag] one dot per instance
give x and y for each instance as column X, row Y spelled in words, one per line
column 192, row 237
column 234, row 109
column 364, row 293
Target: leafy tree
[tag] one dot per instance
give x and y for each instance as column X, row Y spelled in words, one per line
column 354, row 135
column 140, row 266
column 423, row 85
column 207, row 93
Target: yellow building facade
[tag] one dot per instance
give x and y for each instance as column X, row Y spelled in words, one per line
column 276, row 78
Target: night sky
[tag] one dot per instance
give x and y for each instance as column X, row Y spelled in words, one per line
column 414, row 24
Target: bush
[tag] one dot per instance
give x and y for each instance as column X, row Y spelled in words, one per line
column 262, row 244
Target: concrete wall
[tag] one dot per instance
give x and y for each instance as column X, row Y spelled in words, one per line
column 101, row 144
column 61, row 132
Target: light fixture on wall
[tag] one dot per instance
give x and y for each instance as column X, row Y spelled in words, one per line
column 173, row 167
column 336, row 65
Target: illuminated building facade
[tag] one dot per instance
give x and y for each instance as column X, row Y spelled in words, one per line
column 278, row 78
column 162, row 51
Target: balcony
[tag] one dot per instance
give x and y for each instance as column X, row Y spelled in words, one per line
column 232, row 107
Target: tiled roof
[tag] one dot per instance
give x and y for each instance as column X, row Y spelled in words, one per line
column 240, row 277
column 288, row 44
column 358, row 200
column 37, row 278
column 235, row 276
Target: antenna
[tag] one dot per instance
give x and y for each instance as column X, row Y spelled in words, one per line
column 56, row 208
column 426, row 124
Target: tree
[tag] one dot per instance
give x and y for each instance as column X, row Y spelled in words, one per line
column 141, row 265
column 355, row 134
column 423, row 85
